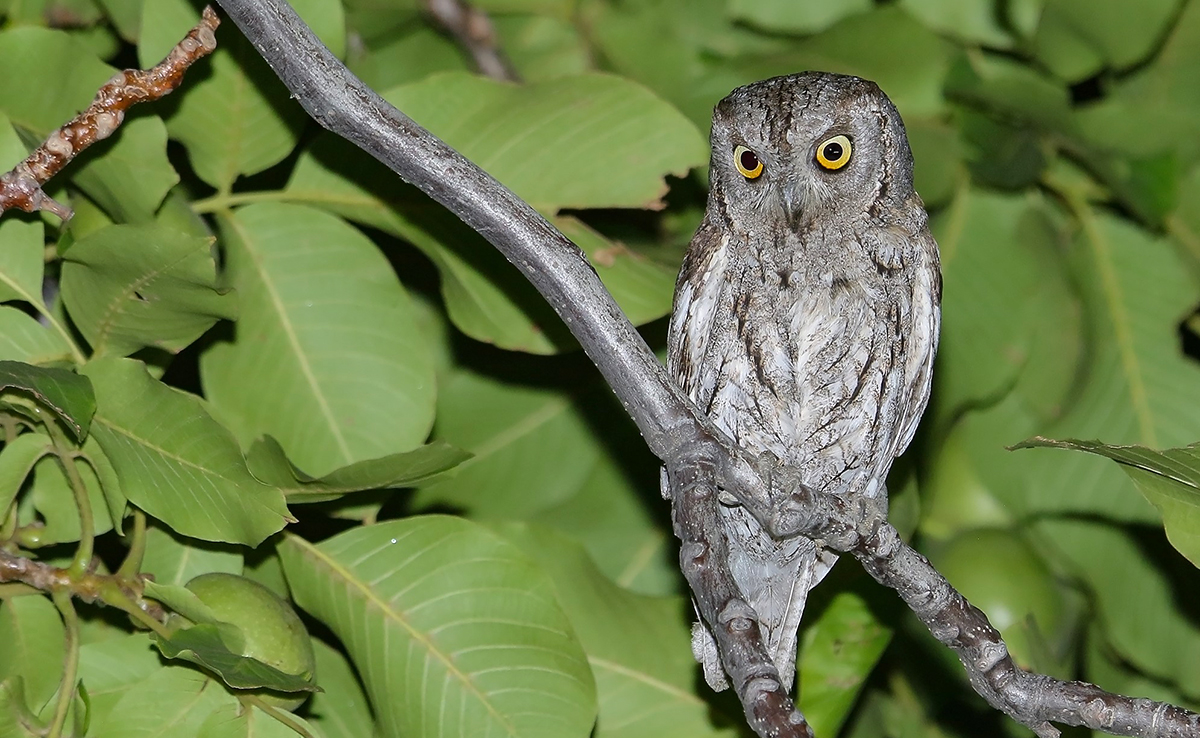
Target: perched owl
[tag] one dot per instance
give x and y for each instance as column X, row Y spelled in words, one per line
column 806, row 315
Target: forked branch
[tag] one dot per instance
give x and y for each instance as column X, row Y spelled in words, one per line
column 21, row 188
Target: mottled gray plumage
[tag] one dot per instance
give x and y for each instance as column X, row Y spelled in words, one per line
column 806, row 315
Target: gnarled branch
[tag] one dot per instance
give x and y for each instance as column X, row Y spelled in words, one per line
column 21, row 188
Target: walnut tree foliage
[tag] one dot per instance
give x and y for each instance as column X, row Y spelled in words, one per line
column 254, row 351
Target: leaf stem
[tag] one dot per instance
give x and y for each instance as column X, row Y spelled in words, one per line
column 282, row 716
column 87, row 526
column 132, row 565
column 66, row 688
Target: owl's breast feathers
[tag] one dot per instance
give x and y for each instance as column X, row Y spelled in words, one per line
column 817, row 347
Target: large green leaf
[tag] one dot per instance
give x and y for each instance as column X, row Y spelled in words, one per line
column 1152, row 110
column 886, row 45
column 1138, row 584
column 838, row 650
column 238, row 119
column 638, row 646
column 1006, row 306
column 792, row 17
column 340, row 709
column 1139, row 388
column 128, row 287
column 453, row 630
column 31, row 646
column 176, row 462
column 173, row 559
column 1077, row 38
column 110, row 668
column 175, row 701
column 270, row 465
column 591, row 141
column 24, row 339
column 1170, row 480
column 606, row 496
column 327, row 356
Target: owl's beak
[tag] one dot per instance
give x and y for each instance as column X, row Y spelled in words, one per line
column 793, row 196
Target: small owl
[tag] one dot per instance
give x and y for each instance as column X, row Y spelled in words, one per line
column 806, row 315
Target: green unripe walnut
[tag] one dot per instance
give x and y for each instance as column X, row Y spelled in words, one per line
column 272, row 632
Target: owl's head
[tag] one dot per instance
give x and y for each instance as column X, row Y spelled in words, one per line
column 808, row 147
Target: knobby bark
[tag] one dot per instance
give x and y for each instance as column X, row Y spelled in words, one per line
column 21, row 188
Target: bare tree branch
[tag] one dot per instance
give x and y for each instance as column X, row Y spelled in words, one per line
column 474, row 32
column 21, row 188
column 698, row 458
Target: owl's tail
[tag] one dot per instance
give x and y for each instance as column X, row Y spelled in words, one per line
column 775, row 577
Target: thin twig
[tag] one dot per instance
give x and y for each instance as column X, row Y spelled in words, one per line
column 698, row 458
column 21, row 188
column 473, row 30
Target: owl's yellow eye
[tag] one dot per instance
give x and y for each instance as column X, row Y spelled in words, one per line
column 834, row 153
column 747, row 162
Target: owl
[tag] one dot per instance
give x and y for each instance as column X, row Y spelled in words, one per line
column 806, row 316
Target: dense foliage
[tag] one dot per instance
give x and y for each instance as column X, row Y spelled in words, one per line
column 254, row 351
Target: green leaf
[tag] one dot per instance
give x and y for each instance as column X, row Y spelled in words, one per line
column 16, row 721
column 203, row 644
column 270, row 465
column 125, row 15
column 129, row 287
column 325, row 323
column 1152, row 110
column 588, row 141
column 24, row 339
column 31, row 646
column 1155, row 634
column 66, row 393
column 542, row 47
column 176, row 462
column 238, row 119
column 906, row 59
column 130, row 178
column 174, row 701
column 838, row 651
column 405, row 57
column 1077, row 38
column 972, row 21
column 173, row 559
column 519, row 434
column 108, row 670
column 486, row 297
column 638, row 646
column 22, row 249
column 1140, row 387
column 16, row 462
column 452, row 629
column 786, row 16
column 1001, row 257
column 1170, row 480
column 340, row 709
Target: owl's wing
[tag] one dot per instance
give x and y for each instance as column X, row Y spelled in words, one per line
column 923, row 342
column 697, row 299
